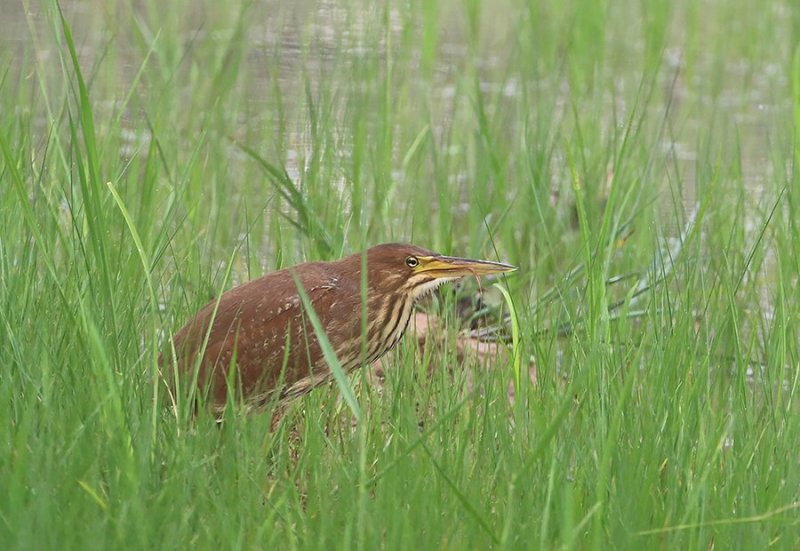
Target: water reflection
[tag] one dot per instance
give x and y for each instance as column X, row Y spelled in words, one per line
column 292, row 49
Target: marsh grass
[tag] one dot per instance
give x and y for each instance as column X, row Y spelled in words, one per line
column 154, row 154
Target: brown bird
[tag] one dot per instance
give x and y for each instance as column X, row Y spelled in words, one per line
column 258, row 337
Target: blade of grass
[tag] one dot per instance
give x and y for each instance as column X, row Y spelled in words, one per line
column 327, row 350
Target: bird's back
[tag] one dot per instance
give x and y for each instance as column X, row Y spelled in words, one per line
column 261, row 339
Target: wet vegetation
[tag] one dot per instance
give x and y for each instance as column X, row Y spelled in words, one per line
column 637, row 160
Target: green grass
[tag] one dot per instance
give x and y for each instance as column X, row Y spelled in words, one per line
column 142, row 155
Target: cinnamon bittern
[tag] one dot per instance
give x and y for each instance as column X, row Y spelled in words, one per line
column 258, row 337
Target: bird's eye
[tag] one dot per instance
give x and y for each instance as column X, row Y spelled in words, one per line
column 411, row 262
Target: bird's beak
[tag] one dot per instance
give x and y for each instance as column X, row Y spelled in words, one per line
column 453, row 267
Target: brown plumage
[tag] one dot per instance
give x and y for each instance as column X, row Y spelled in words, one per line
column 260, row 338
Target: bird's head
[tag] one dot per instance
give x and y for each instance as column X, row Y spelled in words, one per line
column 416, row 272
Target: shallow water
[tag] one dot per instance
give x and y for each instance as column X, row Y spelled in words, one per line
column 293, row 46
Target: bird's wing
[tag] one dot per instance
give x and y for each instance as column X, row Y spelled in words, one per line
column 256, row 313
